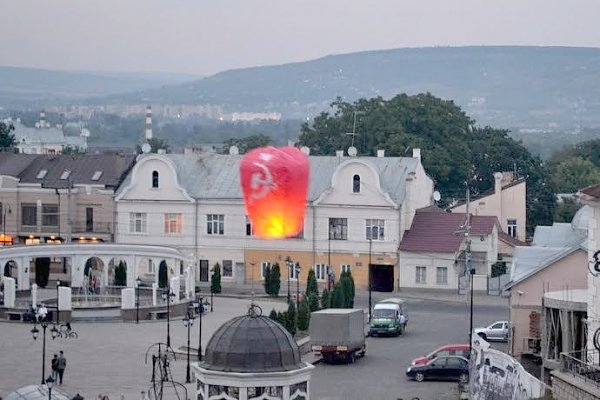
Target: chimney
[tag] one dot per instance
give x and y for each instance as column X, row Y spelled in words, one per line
column 380, row 153
column 339, row 153
column 497, row 182
column 148, row 123
column 42, row 119
column 417, row 154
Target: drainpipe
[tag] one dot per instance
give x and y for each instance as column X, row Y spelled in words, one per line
column 196, row 262
column 314, row 230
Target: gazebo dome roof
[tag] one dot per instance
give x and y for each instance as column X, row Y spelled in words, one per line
column 252, row 344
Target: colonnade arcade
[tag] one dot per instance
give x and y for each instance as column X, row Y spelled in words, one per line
column 81, row 261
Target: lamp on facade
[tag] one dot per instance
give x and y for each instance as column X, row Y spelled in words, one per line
column 188, row 321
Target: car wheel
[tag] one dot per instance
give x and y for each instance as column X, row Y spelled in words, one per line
column 463, row 378
column 419, row 377
column 483, row 336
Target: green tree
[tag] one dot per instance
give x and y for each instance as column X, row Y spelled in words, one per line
column 565, row 210
column 120, row 274
column 498, row 268
column 275, row 279
column 575, row 173
column 215, row 279
column 72, row 150
column 455, row 152
column 325, row 299
column 246, row 144
column 313, row 302
column 290, row 318
column 42, row 271
column 7, row 139
column 311, row 283
column 303, row 315
column 162, row 275
column 338, row 299
column 347, row 282
column 267, row 279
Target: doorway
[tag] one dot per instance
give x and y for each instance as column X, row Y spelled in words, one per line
column 203, row 270
column 382, row 278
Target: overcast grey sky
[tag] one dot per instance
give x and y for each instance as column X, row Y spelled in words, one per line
column 205, row 37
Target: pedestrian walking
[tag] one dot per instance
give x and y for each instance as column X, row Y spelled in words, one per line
column 144, row 396
column 62, row 365
column 54, row 367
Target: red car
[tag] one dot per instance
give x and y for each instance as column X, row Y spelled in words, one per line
column 447, row 350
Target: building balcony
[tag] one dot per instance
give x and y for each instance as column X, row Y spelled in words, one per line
column 582, row 365
column 89, row 229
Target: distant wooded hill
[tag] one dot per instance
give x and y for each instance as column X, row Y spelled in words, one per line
column 31, row 87
column 543, row 87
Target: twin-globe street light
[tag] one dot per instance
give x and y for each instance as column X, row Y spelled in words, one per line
column 168, row 296
column 35, row 332
column 188, row 321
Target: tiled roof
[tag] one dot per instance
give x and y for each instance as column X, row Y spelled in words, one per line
column 528, row 261
column 443, row 232
column 593, row 191
column 82, row 168
column 506, row 238
column 216, row 176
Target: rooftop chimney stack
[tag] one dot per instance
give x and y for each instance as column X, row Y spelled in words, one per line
column 380, row 153
column 416, row 153
column 148, row 122
column 42, row 119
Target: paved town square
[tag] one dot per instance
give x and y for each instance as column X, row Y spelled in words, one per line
column 109, row 357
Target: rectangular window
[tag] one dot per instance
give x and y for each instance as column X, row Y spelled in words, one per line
column 50, row 215
column 89, row 219
column 249, row 231
column 345, row 268
column 293, row 270
column 375, row 229
column 421, row 275
column 511, row 227
column 138, row 222
column 29, row 214
column 441, row 275
column 150, row 266
column 227, row 268
column 215, row 224
column 338, row 228
column 320, row 272
column 263, row 268
column 173, row 223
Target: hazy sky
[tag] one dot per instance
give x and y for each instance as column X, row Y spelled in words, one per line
column 205, row 37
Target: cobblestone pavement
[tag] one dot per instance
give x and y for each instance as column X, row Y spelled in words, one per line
column 108, row 357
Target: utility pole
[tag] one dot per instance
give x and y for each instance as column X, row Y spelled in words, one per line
column 468, row 270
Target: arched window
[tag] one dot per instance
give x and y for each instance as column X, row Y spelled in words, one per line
column 356, row 184
column 154, row 179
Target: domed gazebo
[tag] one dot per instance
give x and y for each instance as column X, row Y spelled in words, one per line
column 250, row 358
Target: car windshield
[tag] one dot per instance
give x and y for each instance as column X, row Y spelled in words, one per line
column 384, row 313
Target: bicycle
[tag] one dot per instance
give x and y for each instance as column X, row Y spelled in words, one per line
column 65, row 330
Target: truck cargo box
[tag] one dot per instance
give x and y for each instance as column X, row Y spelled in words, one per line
column 338, row 327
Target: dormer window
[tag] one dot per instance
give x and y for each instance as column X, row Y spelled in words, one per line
column 155, row 179
column 42, row 174
column 97, row 175
column 356, row 184
column 65, row 174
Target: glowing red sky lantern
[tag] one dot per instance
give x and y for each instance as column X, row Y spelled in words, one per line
column 275, row 184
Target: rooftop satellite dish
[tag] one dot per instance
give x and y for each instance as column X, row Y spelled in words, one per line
column 352, row 151
column 436, row 196
column 146, row 148
column 234, row 150
column 305, row 150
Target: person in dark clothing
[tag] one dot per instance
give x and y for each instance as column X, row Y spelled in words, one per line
column 62, row 365
column 54, row 366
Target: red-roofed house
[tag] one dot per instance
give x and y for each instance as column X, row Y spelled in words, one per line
column 432, row 251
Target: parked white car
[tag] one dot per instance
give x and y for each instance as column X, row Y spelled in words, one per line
column 499, row 330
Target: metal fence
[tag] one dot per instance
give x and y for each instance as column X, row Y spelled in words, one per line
column 583, row 364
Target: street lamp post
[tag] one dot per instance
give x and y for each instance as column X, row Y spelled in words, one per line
column 297, row 274
column 138, row 281
column 57, row 303
column 188, row 321
column 329, row 260
column 35, row 332
column 168, row 296
column 369, row 272
column 289, row 264
column 200, row 308
column 50, row 384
